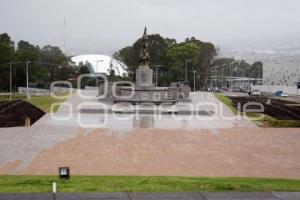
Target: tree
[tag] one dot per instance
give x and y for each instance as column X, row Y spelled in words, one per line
column 257, row 68
column 178, row 54
column 198, row 56
column 27, row 52
column 53, row 55
column 157, row 49
column 6, row 55
column 172, row 55
column 46, row 65
column 126, row 55
column 7, row 48
column 225, row 67
column 85, row 68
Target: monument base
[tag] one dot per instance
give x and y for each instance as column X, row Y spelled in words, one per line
column 144, row 77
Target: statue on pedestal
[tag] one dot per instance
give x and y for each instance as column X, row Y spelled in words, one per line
column 144, row 54
column 144, row 75
column 144, row 91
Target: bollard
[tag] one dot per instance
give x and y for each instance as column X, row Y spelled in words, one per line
column 27, row 121
column 54, row 190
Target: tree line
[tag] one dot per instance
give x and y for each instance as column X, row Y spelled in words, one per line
column 49, row 63
column 173, row 57
column 46, row 64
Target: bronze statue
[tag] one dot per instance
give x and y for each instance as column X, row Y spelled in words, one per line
column 144, row 54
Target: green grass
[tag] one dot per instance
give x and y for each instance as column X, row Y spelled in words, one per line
column 143, row 184
column 265, row 120
column 284, row 123
column 45, row 102
column 42, row 102
column 226, row 101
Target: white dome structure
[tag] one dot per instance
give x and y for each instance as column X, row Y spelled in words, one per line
column 102, row 63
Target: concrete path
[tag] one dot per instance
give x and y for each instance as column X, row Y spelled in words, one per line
column 157, row 196
column 220, row 116
column 148, row 146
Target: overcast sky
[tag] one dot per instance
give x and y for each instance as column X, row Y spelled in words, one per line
column 104, row 26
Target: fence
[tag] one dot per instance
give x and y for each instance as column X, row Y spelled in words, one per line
column 43, row 92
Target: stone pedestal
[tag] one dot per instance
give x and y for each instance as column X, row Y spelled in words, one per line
column 144, row 77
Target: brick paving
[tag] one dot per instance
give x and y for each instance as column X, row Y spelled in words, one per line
column 237, row 152
column 232, row 150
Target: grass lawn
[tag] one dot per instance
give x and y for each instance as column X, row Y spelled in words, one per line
column 143, row 184
column 45, row 102
column 42, row 102
column 226, row 101
column 265, row 120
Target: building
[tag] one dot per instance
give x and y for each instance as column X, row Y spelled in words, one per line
column 102, row 63
column 281, row 70
column 281, row 73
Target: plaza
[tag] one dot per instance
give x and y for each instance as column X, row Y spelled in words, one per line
column 145, row 100
column 191, row 146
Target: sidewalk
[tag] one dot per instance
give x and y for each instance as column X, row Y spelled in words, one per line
column 158, row 196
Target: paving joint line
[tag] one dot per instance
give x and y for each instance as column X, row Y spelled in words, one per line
column 129, row 196
column 276, row 196
column 202, row 195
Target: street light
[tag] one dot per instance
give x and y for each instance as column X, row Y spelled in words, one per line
column 10, row 77
column 27, row 74
column 194, row 80
column 231, row 78
column 186, row 75
column 97, row 61
column 215, row 74
column 27, row 88
column 97, row 71
column 10, row 80
column 156, row 74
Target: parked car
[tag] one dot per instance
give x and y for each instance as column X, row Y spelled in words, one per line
column 281, row 94
column 254, row 93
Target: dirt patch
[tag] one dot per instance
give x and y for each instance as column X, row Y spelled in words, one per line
column 13, row 113
column 278, row 109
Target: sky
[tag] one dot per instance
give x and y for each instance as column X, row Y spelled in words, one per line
column 104, row 26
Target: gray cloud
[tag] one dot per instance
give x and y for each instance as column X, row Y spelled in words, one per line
column 103, row 26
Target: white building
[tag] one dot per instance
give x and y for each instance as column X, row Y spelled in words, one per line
column 102, row 63
column 281, row 70
column 281, row 73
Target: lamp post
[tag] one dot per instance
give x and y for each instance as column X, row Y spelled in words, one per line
column 186, row 75
column 26, row 73
column 27, row 88
column 97, row 71
column 97, row 61
column 194, row 80
column 230, row 76
column 10, row 80
column 156, row 74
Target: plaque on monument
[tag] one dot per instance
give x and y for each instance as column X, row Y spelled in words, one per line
column 144, row 77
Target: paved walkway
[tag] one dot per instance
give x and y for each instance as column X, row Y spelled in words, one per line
column 237, row 152
column 158, row 196
column 220, row 118
column 168, row 148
